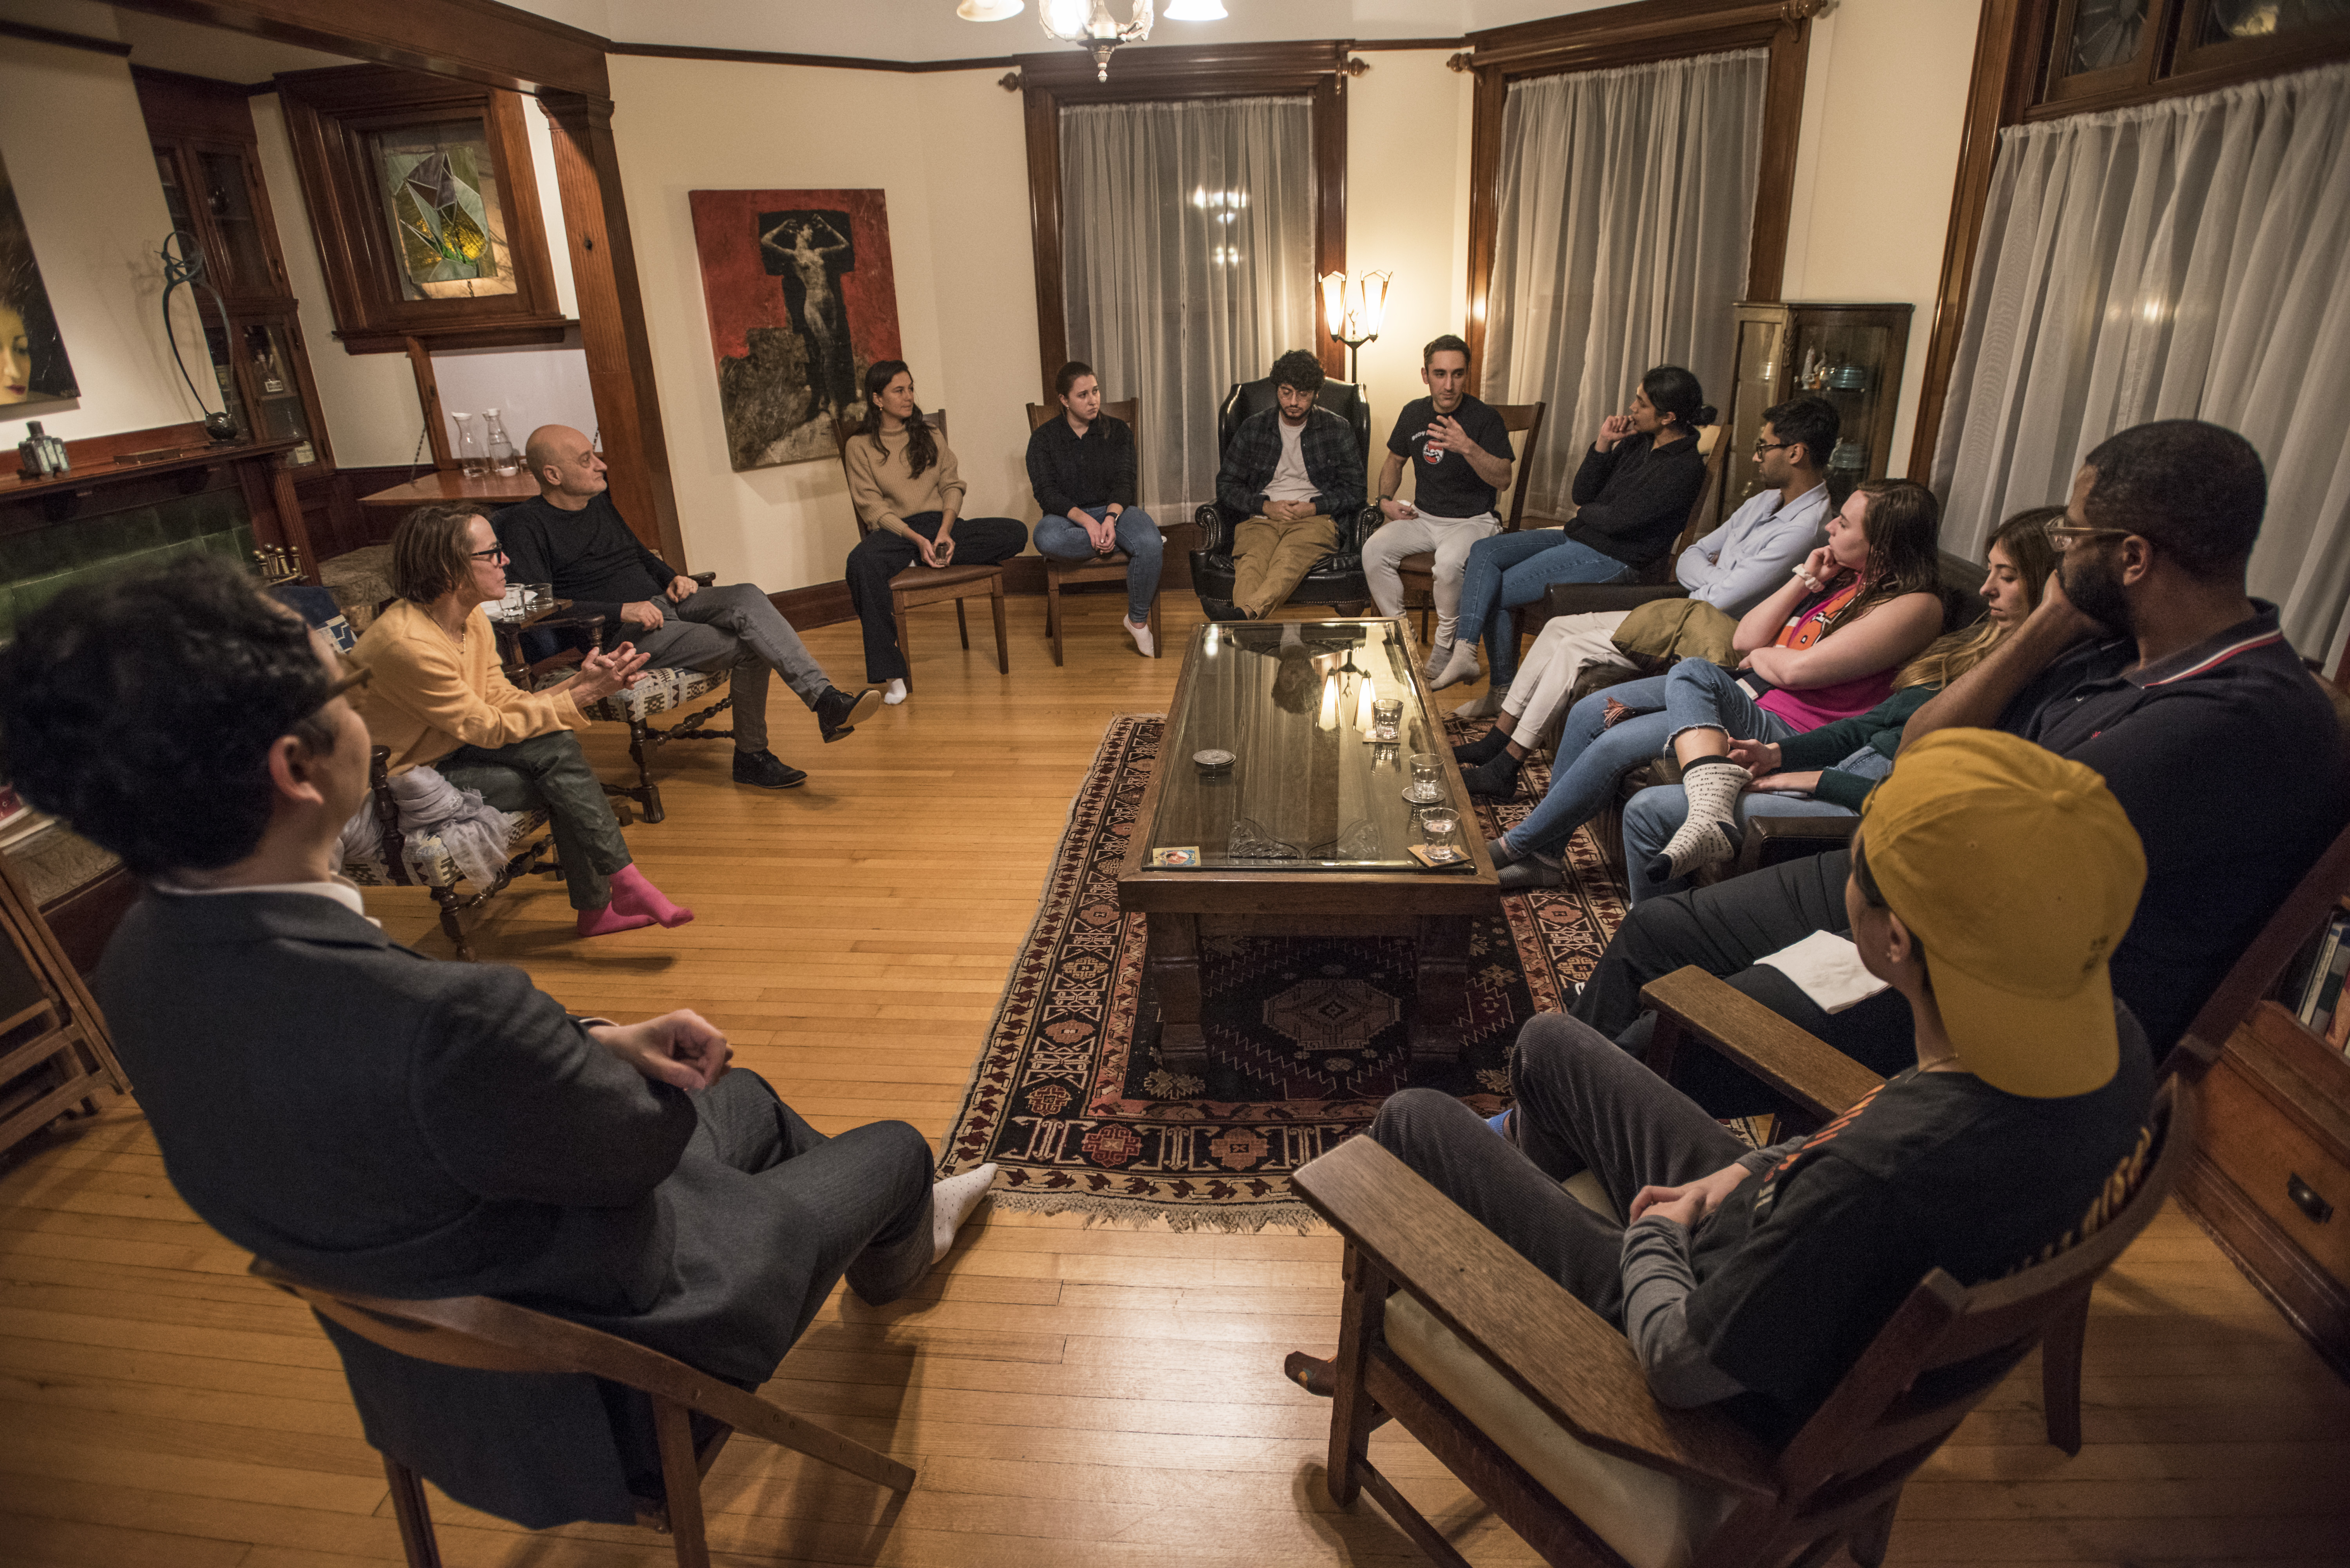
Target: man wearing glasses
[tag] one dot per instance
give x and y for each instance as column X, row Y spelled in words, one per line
column 2147, row 661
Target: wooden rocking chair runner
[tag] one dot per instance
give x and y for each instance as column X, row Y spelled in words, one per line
column 919, row 585
column 486, row 1335
column 1419, row 572
column 1110, row 568
column 1541, row 1409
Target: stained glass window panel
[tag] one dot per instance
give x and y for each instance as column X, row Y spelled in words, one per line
column 440, row 193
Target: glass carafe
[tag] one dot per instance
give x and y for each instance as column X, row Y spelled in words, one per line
column 473, row 458
column 503, row 461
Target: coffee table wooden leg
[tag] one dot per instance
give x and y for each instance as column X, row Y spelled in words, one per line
column 1444, row 987
column 1175, row 975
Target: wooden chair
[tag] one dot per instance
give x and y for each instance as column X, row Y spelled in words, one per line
column 485, row 1335
column 919, row 585
column 1419, row 572
column 421, row 860
column 1540, row 1407
column 1110, row 568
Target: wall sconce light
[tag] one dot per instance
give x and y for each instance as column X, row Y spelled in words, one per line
column 1353, row 309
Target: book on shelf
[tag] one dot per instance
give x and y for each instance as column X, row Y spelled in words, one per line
column 2322, row 995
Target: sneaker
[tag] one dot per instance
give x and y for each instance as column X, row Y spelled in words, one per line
column 1142, row 639
column 766, row 771
column 836, row 712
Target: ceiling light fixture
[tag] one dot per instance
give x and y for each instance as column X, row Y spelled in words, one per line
column 1196, row 11
column 1093, row 28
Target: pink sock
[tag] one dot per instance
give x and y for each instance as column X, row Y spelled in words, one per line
column 603, row 922
column 634, row 895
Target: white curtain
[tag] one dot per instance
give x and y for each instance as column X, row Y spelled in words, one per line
column 1188, row 264
column 2189, row 258
column 1626, row 206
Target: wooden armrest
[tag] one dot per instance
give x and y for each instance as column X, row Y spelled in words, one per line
column 1811, row 835
column 704, row 578
column 1556, row 1351
column 1797, row 1064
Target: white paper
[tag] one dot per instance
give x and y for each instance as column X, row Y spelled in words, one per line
column 1827, row 969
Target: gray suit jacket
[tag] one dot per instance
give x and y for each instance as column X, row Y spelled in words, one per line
column 376, row 1120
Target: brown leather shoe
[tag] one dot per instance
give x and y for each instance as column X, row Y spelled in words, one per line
column 1311, row 1373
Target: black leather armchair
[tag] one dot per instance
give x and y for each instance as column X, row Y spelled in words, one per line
column 1338, row 577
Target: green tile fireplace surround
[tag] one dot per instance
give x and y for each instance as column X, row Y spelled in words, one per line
column 39, row 561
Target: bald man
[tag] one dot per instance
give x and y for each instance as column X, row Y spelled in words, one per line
column 573, row 537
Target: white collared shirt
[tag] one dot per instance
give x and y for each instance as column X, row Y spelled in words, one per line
column 341, row 891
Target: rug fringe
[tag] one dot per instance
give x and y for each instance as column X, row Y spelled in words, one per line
column 1135, row 1213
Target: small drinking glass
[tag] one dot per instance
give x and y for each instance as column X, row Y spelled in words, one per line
column 1387, row 718
column 1426, row 786
column 1437, row 826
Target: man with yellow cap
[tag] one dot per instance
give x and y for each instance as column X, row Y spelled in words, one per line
column 1991, row 880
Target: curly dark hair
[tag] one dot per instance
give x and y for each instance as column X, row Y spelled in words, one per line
column 141, row 708
column 2196, row 489
column 1298, row 368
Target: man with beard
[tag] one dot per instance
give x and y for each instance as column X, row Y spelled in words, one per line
column 2146, row 661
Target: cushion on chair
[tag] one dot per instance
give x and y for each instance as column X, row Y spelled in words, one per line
column 430, row 864
column 657, row 692
column 1651, row 1519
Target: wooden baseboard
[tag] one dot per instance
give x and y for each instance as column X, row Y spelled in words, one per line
column 2311, row 1300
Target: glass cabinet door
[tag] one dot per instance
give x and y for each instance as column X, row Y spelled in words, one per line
column 228, row 201
column 1756, row 388
column 278, row 411
column 1844, row 362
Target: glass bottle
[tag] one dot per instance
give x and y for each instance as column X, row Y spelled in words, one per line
column 472, row 462
column 504, row 462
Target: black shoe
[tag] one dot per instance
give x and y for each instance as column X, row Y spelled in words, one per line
column 1484, row 748
column 1221, row 609
column 1496, row 779
column 837, row 713
column 765, row 770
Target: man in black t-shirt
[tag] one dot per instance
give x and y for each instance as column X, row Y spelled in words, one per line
column 1990, row 880
column 573, row 537
column 1461, row 453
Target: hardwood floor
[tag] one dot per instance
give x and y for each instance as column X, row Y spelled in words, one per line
column 1069, row 1395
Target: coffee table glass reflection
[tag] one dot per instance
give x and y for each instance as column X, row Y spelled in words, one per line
column 1303, row 822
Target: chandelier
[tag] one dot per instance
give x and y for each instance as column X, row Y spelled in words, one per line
column 1088, row 24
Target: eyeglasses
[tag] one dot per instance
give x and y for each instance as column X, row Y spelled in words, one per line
column 2062, row 537
column 1762, row 446
column 495, row 552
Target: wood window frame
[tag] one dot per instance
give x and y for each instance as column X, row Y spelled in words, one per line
column 2013, row 85
column 329, row 115
column 1315, row 70
column 1632, row 34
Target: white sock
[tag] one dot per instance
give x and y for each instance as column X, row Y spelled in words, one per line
column 1484, row 707
column 1462, row 666
column 1141, row 635
column 896, row 693
column 952, row 1201
column 1438, row 658
column 1710, row 833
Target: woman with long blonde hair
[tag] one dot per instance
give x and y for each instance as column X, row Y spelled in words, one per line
column 1828, row 771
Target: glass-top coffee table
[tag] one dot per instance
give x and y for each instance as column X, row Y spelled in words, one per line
column 1277, row 808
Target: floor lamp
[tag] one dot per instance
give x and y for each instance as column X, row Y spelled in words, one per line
column 1353, row 309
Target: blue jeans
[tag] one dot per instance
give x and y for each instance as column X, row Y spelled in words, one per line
column 1702, row 695
column 1591, row 758
column 1512, row 570
column 1138, row 535
column 1652, row 817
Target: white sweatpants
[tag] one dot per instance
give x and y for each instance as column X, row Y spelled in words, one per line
column 1569, row 645
column 1449, row 537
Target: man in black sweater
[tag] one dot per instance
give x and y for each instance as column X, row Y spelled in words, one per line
column 573, row 537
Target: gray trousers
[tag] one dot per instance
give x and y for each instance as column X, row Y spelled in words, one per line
column 1583, row 1105
column 736, row 625
column 550, row 770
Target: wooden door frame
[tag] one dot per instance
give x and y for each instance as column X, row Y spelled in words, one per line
column 1639, row 33
column 1317, row 70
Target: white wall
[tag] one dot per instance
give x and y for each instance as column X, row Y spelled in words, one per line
column 84, row 179
column 949, row 155
column 1884, row 112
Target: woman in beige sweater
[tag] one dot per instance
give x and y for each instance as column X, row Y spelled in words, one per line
column 907, row 490
column 438, row 697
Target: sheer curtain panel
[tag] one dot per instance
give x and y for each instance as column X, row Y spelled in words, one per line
column 2187, row 259
column 1188, row 259
column 1624, row 208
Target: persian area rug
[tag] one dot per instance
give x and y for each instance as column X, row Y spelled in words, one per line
column 1305, row 1035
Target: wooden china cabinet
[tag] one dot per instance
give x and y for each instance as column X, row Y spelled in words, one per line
column 207, row 155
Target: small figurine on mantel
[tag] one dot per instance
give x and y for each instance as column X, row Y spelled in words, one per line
column 41, row 456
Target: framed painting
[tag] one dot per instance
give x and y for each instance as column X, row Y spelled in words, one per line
column 420, row 189
column 33, row 368
column 801, row 299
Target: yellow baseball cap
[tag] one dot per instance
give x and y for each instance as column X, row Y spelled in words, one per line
column 2018, row 872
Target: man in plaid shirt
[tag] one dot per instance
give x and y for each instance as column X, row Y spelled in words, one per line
column 1292, row 471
